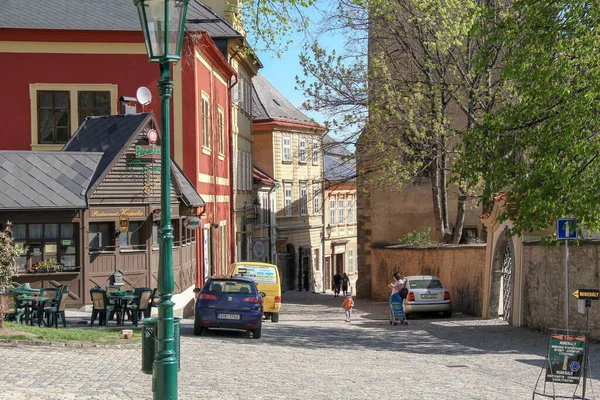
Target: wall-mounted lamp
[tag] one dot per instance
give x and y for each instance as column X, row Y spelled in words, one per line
column 256, row 209
column 328, row 229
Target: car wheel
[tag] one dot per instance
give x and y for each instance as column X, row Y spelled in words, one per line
column 447, row 314
column 198, row 329
column 256, row 333
column 407, row 316
column 275, row 317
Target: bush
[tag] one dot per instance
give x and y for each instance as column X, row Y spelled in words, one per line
column 415, row 238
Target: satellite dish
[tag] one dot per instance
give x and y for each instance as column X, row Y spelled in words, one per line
column 144, row 96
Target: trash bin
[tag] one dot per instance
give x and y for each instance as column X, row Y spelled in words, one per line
column 150, row 346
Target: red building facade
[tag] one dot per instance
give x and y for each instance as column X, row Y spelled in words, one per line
column 60, row 76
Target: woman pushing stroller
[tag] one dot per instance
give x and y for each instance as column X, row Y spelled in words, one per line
column 397, row 315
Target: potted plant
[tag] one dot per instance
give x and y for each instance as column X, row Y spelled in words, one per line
column 9, row 268
column 50, row 265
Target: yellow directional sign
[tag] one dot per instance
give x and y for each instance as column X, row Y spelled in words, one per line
column 581, row 294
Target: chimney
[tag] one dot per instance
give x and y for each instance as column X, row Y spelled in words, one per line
column 127, row 105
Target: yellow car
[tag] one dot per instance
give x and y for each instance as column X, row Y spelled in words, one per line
column 266, row 277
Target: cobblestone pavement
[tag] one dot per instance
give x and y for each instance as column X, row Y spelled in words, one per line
column 310, row 354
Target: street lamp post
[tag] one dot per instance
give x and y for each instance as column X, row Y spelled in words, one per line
column 163, row 25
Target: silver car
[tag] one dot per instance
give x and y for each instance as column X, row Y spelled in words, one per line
column 426, row 293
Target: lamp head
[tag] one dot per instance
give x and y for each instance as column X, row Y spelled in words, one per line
column 163, row 25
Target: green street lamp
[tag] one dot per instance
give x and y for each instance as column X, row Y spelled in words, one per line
column 163, row 24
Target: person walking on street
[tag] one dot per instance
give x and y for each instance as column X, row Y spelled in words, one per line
column 337, row 280
column 348, row 305
column 345, row 284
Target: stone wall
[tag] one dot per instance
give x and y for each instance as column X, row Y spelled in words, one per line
column 544, row 285
column 460, row 267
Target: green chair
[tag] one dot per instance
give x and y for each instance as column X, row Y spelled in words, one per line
column 101, row 307
column 141, row 304
column 52, row 313
column 12, row 311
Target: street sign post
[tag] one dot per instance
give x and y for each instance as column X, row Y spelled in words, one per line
column 582, row 294
column 566, row 230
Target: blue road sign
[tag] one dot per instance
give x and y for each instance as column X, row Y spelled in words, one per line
column 565, row 229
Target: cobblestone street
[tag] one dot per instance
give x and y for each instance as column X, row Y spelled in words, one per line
column 310, row 354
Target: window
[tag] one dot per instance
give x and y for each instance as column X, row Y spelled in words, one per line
column 351, row 260
column 287, row 149
column 303, row 199
column 221, row 128
column 39, row 242
column 350, row 213
column 288, row 199
column 315, row 153
column 58, row 109
column 235, row 169
column 244, row 170
column 332, row 212
column 101, row 236
column 135, row 237
column 53, row 117
column 341, row 211
column 240, row 169
column 316, row 197
column 92, row 103
column 205, row 122
column 302, row 150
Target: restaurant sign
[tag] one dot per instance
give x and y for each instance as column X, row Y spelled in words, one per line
column 565, row 359
column 123, row 223
column 117, row 212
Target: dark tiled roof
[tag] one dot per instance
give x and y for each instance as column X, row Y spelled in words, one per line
column 268, row 103
column 109, row 135
column 112, row 136
column 338, row 162
column 45, row 179
column 189, row 195
column 99, row 15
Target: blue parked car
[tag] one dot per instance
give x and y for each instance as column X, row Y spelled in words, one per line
column 230, row 303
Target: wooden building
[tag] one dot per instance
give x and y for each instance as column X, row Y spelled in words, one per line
column 95, row 208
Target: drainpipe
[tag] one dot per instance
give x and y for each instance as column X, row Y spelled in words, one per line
column 232, row 230
column 522, row 289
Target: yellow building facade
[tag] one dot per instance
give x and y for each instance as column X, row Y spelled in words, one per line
column 287, row 146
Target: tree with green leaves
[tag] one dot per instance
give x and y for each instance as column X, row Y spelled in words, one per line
column 9, row 255
column 542, row 147
column 416, row 74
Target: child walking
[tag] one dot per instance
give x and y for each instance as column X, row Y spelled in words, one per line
column 348, row 305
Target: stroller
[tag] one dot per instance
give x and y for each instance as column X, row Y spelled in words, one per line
column 397, row 315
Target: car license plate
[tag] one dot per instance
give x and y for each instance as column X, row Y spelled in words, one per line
column 429, row 296
column 228, row 316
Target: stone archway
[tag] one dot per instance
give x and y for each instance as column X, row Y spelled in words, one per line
column 502, row 291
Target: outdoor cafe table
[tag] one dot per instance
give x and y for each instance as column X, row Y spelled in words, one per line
column 34, row 303
column 120, row 301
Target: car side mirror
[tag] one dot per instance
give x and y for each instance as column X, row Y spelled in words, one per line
column 197, row 290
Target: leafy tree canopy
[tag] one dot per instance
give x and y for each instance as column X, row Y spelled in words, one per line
column 542, row 147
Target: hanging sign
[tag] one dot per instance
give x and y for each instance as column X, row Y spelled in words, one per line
column 258, row 248
column 565, row 358
column 192, row 223
column 123, row 223
column 152, row 136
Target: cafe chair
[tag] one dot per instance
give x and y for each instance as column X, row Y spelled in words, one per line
column 113, row 288
column 12, row 312
column 154, row 299
column 101, row 307
column 52, row 313
column 141, row 304
column 52, row 293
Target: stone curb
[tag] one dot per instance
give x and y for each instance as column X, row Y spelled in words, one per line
column 69, row 344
